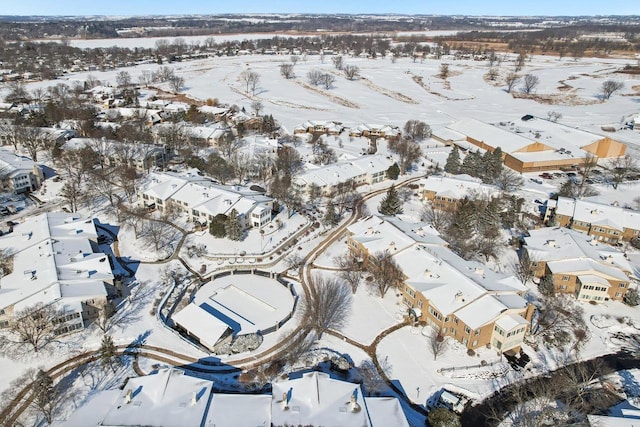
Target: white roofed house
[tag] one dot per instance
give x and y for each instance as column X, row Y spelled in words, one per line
column 54, row 262
column 606, row 223
column 346, row 174
column 201, row 199
column 320, row 127
column 19, row 174
column 463, row 299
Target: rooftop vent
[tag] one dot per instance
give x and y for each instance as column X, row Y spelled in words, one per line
column 127, row 396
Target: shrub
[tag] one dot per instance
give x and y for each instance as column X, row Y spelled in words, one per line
column 471, row 352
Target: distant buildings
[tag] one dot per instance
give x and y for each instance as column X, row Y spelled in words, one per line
column 531, row 144
column 19, row 174
column 201, row 199
column 462, row 299
column 55, row 261
column 171, row 398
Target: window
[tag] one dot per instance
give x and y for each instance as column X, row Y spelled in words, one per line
column 467, row 330
column 618, row 294
column 453, row 331
column 4, row 324
column 455, row 320
column 623, row 285
column 420, row 303
column 475, row 343
column 446, row 319
column 566, row 278
column 477, row 332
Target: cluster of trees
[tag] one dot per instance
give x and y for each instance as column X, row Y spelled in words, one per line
column 229, row 226
column 318, row 78
column 474, row 228
column 488, row 167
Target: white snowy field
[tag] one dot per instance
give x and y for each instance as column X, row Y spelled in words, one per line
column 388, row 93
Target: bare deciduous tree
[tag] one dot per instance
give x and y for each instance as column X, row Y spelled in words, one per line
column 492, row 74
column 417, row 129
column 444, row 71
column 509, row 180
column 123, row 79
column 350, row 270
column 176, row 83
column 530, row 83
column 408, row 152
column 352, row 72
column 554, row 116
column 556, row 320
column 286, row 70
column 524, row 267
column 609, row 87
column 437, row 343
column 386, row 273
column 327, row 80
column 34, row 325
column 251, row 79
column 619, row 168
column 510, row 80
column 327, row 306
column 338, row 62
column 315, row 77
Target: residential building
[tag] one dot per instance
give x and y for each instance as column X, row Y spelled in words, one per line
column 19, row 174
column 320, row 127
column 171, row 398
column 375, row 130
column 531, row 144
column 606, row 223
column 201, row 199
column 142, row 157
column 579, row 264
column 55, row 261
column 462, row 299
column 344, row 175
column 444, row 192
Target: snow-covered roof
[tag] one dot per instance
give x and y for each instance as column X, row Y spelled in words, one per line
column 509, row 322
column 53, row 259
column 600, row 214
column 336, row 173
column 554, row 244
column 12, row 164
column 318, row 399
column 246, row 303
column 232, row 410
column 386, row 411
column 379, row 234
column 457, row 186
column 168, row 398
column 583, row 266
column 199, row 322
column 491, row 135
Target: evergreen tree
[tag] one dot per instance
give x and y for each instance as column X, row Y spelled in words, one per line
column 393, row 172
column 217, row 226
column 233, row 226
column 461, row 230
column 453, row 162
column 44, row 395
column 330, row 218
column 391, row 203
column 472, row 164
column 442, row 417
column 107, row 352
column 489, row 221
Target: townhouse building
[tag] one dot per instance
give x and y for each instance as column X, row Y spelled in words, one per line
column 445, row 192
column 579, row 264
column 19, row 174
column 461, row 299
column 56, row 262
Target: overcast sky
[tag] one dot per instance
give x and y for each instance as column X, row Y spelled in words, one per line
column 439, row 7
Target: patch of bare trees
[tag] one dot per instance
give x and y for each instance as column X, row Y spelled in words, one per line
column 286, row 70
column 350, row 270
column 385, row 271
column 352, row 72
column 33, row 327
column 338, row 62
column 619, row 169
column 511, row 80
column 251, row 80
column 436, row 342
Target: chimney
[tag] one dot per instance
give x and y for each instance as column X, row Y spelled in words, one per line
column 127, row 396
column 353, row 403
column 480, row 271
column 551, row 243
column 459, row 297
column 194, row 398
column 285, row 401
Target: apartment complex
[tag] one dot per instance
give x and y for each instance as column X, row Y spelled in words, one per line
column 171, row 398
column 19, row 174
column 462, row 299
column 606, row 223
column 56, row 261
column 201, row 199
column 579, row 264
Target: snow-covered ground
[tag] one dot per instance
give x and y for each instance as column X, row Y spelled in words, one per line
column 387, row 94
